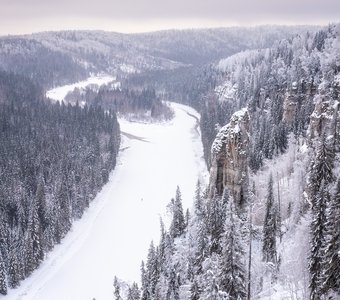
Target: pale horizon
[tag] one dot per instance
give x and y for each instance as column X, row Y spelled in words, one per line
column 17, row 18
column 131, row 30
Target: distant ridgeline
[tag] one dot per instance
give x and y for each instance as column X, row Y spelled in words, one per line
column 267, row 226
column 54, row 158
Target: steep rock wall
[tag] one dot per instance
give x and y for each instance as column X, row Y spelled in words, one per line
column 230, row 157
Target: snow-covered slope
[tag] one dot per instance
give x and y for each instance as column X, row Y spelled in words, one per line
column 114, row 234
column 59, row 93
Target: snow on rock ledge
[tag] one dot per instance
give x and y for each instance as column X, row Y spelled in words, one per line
column 325, row 118
column 229, row 157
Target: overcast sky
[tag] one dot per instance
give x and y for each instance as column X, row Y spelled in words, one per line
column 25, row 16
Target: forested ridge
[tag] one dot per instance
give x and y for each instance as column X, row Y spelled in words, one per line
column 131, row 103
column 54, row 158
column 282, row 240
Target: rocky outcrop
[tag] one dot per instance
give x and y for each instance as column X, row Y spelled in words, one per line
column 230, row 157
column 293, row 99
column 290, row 104
column 325, row 119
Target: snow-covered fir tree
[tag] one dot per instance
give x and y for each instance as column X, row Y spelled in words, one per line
column 133, row 292
column 178, row 221
column 3, row 280
column 232, row 267
column 269, row 247
column 116, row 286
column 331, row 258
column 320, row 179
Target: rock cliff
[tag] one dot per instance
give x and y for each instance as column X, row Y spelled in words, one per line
column 325, row 118
column 230, row 157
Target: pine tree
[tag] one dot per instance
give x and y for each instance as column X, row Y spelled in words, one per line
column 145, row 283
column 320, row 178
column 178, row 221
column 133, row 292
column 34, row 241
column 162, row 247
column 4, row 237
column 318, row 240
column 209, row 278
column 198, row 202
column 216, row 218
column 14, row 271
column 195, row 290
column 232, row 273
column 116, row 286
column 202, row 246
column 152, row 271
column 3, row 284
column 173, row 286
column 322, row 167
column 331, row 258
column 270, row 227
column 41, row 203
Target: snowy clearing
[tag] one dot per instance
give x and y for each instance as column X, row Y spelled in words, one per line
column 114, row 234
column 59, row 93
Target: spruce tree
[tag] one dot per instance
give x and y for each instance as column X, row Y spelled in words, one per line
column 320, row 179
column 195, row 290
column 3, row 283
column 198, row 202
column 14, row 271
column 270, row 227
column 178, row 221
column 116, row 292
column 152, row 271
column 331, row 258
column 322, row 166
column 318, row 241
column 173, row 286
column 133, row 292
column 34, row 249
column 232, row 273
column 144, row 282
column 216, row 218
column 209, row 279
column 4, row 237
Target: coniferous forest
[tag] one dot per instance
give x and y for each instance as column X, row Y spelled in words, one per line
column 233, row 247
column 54, row 159
column 265, row 225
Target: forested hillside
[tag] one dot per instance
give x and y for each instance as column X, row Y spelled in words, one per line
column 267, row 225
column 42, row 65
column 133, row 104
column 54, row 158
column 55, row 58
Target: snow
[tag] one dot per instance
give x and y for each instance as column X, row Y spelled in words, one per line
column 228, row 131
column 114, row 234
column 128, row 68
column 337, row 79
column 59, row 93
column 226, row 91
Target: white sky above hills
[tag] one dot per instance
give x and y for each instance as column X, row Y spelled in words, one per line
column 17, row 16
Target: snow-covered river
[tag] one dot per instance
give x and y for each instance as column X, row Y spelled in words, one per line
column 115, row 232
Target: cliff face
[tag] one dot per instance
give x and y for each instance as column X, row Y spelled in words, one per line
column 230, row 157
column 290, row 104
column 293, row 99
column 325, row 118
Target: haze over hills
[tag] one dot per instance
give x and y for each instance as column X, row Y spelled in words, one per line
column 73, row 55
